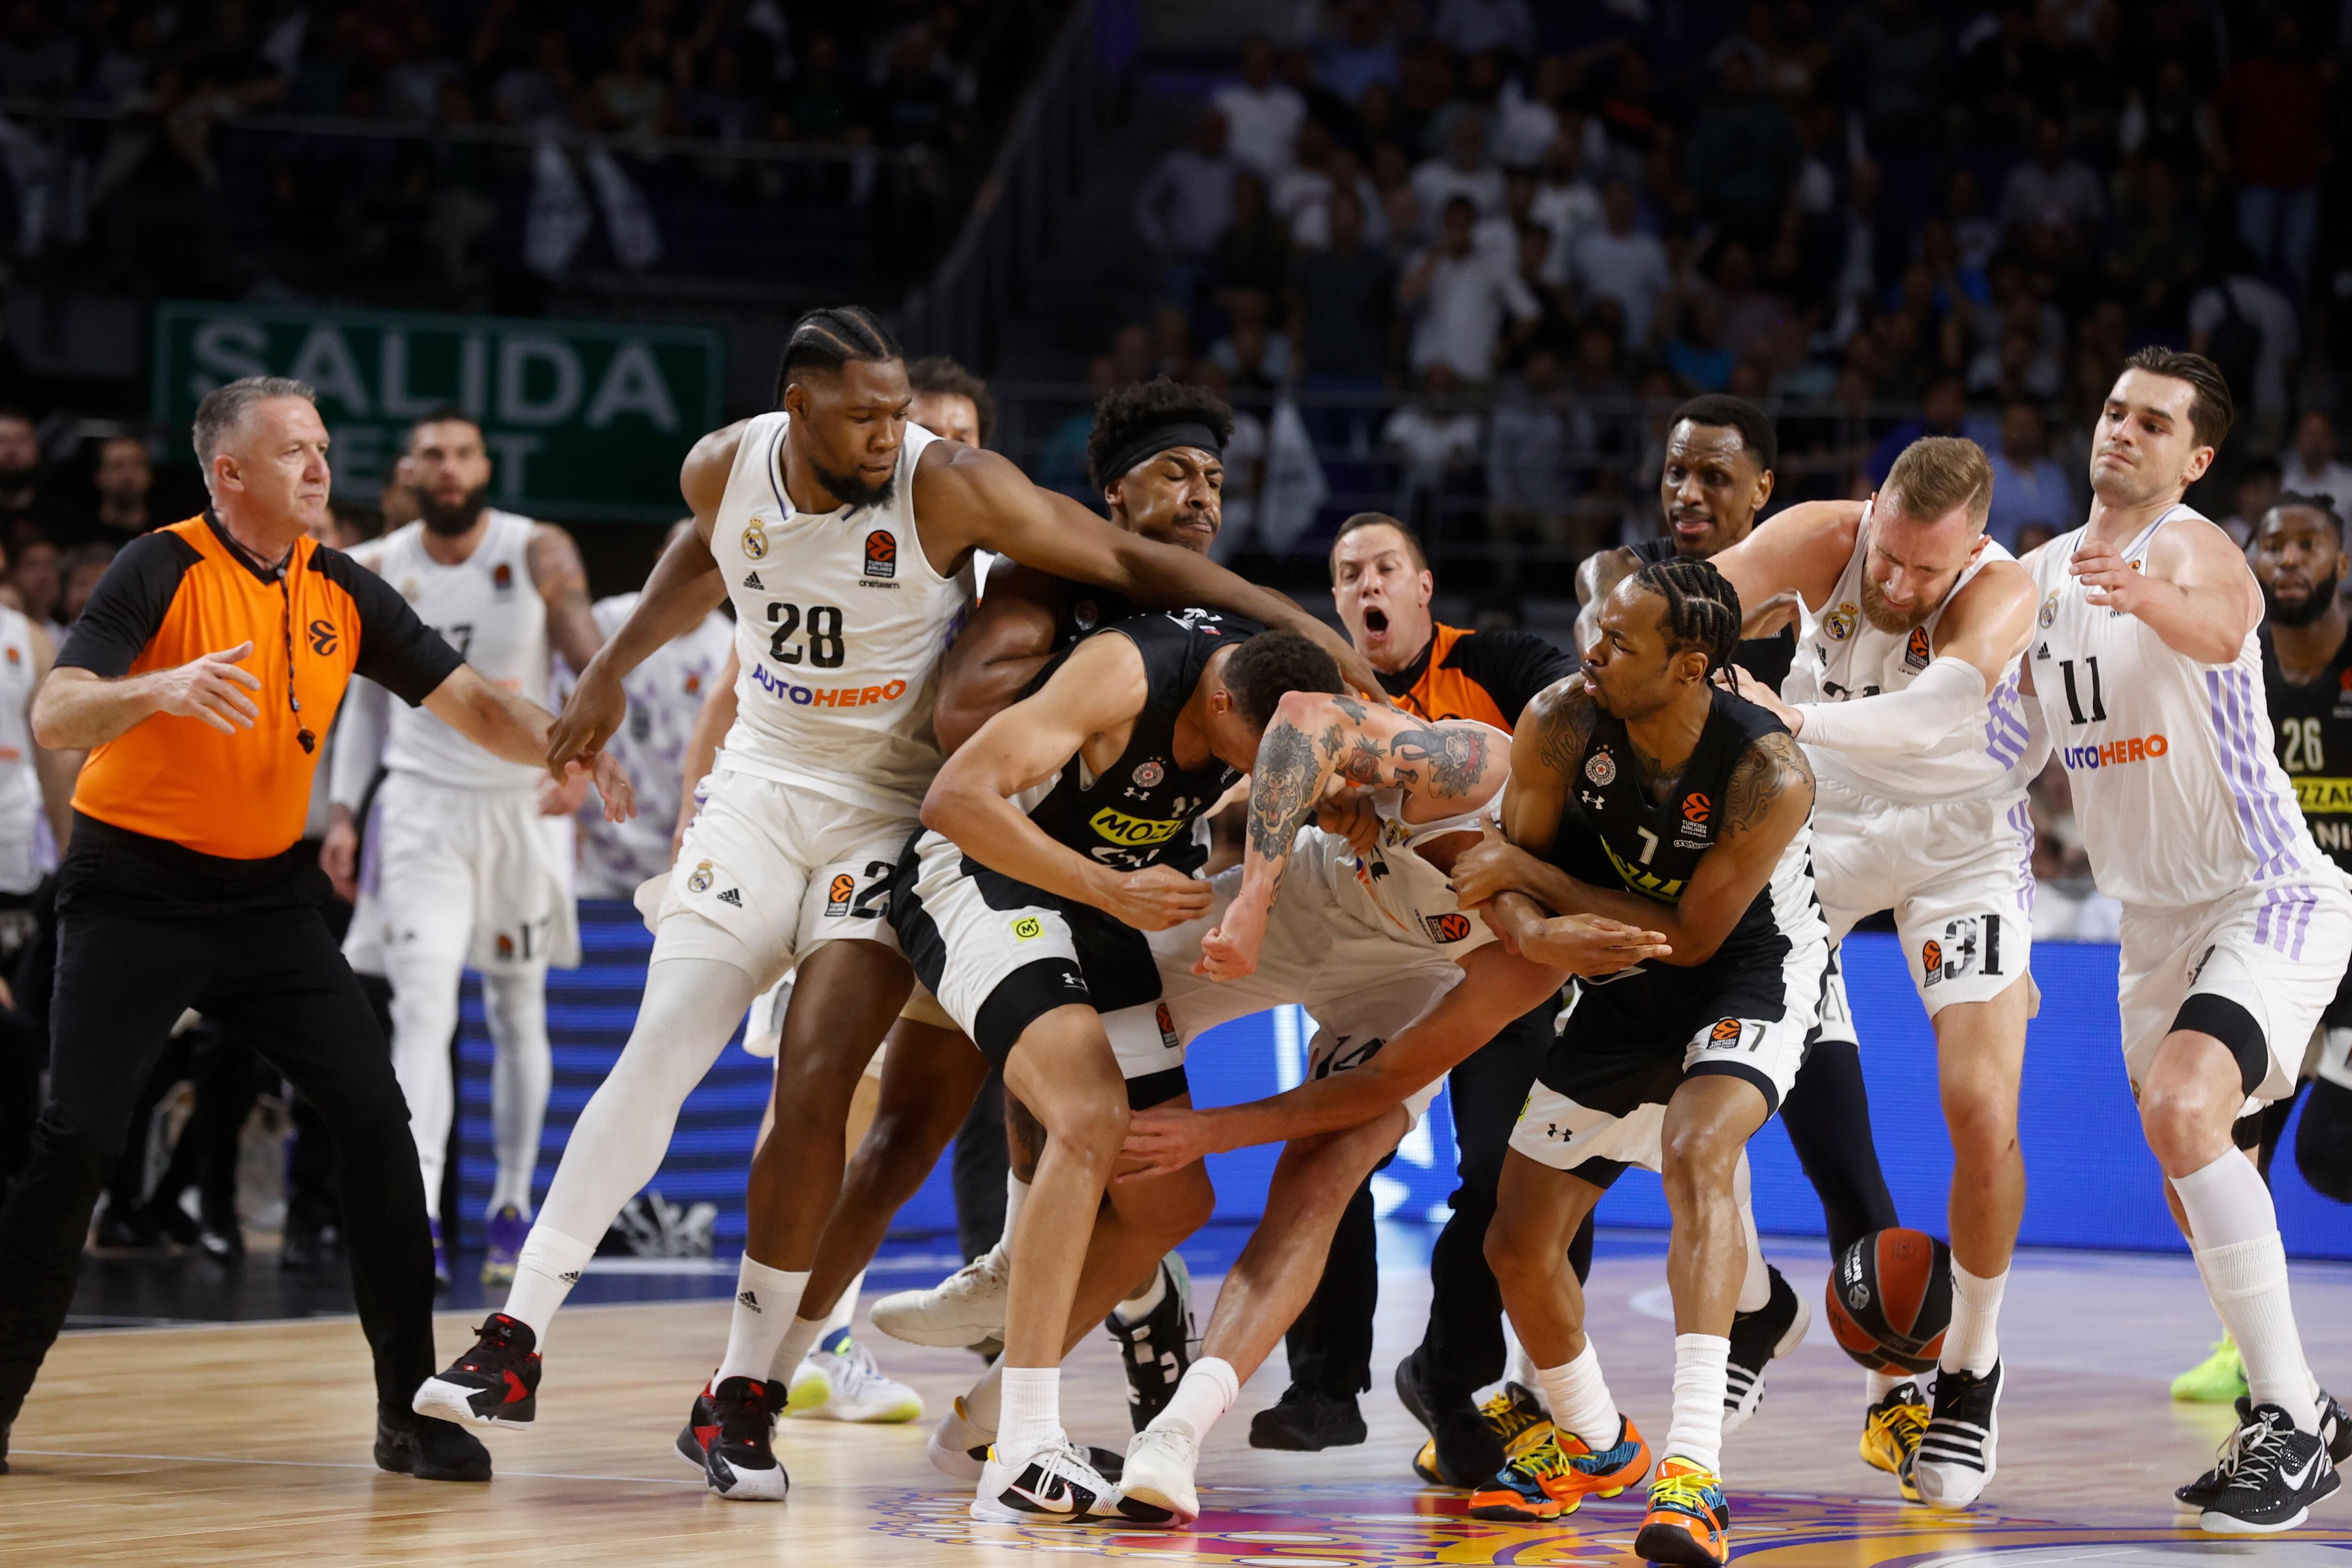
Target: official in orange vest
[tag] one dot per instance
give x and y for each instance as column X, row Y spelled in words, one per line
column 203, row 676
column 1382, row 585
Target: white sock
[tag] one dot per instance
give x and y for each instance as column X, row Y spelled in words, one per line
column 765, row 1300
column 1879, row 1385
column 1579, row 1398
column 1702, row 1366
column 1016, row 1193
column 1208, row 1389
column 797, row 1342
column 2234, row 1228
column 545, row 1270
column 1973, row 1342
column 1139, row 1306
column 845, row 1312
column 1031, row 1418
column 983, row 1405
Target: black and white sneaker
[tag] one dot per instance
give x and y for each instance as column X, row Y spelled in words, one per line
column 1159, row 1349
column 496, row 1384
column 1956, row 1459
column 1053, row 1485
column 2276, row 1474
column 739, row 1455
column 1760, row 1337
column 2200, row 1494
column 2334, row 1428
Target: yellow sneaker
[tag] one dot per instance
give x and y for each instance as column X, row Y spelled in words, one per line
column 2219, row 1379
column 1516, row 1418
column 1891, row 1430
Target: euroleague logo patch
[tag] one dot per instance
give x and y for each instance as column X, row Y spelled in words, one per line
column 1727, row 1032
column 838, row 895
column 322, row 639
column 1697, row 808
column 881, row 553
column 1915, row 651
column 1167, row 1021
column 502, row 578
column 1448, row 926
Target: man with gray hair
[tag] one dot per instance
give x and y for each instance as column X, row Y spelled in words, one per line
column 210, row 661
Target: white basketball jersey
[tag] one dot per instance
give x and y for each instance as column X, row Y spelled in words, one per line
column 2180, row 799
column 840, row 624
column 1841, row 655
column 1392, row 888
column 666, row 694
column 488, row 609
column 22, row 836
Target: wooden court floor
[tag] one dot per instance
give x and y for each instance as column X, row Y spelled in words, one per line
column 250, row 1445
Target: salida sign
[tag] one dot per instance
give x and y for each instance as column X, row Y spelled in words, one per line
column 585, row 419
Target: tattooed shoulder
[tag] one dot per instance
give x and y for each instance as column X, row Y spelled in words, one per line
column 1562, row 717
column 1773, row 766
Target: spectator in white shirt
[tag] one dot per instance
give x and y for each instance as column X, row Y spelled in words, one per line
column 1474, row 26
column 2311, row 469
column 1566, row 207
column 1464, row 171
column 1189, row 199
column 1431, row 434
column 1261, row 115
column 2028, row 485
column 2218, row 328
column 2052, row 190
column 1302, row 197
column 1462, row 293
column 1624, row 265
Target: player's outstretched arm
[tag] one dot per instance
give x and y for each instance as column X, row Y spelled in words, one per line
column 1101, row 686
column 1496, row 987
column 982, row 500
column 1799, row 549
column 2194, row 590
column 509, row 725
column 686, row 585
column 556, row 570
column 1008, row 640
column 1314, row 739
column 1596, row 576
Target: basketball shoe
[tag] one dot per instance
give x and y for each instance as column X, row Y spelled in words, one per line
column 1956, row 1460
column 2277, row 1472
column 1160, row 1464
column 1555, row 1472
column 964, row 1309
column 508, row 1230
column 734, row 1427
column 1053, row 1485
column 496, row 1384
column 2335, row 1431
column 1159, row 1349
column 958, row 1445
column 1891, row 1430
column 1758, row 1338
column 1689, row 1522
column 2219, row 1379
column 839, row 1382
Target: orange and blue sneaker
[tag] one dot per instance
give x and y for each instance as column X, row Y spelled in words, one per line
column 1689, row 1524
column 1555, row 1473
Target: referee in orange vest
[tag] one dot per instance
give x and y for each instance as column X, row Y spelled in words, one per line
column 203, row 676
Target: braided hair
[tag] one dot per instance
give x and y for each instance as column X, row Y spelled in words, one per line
column 829, row 338
column 1702, row 607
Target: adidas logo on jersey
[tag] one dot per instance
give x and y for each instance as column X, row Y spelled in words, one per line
column 751, row 580
column 731, row 897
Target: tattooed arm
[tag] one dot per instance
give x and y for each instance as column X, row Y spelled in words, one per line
column 1314, row 740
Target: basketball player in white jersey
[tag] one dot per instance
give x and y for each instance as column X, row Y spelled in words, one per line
column 844, row 538
column 36, row 783
column 1904, row 693
column 469, row 867
column 2236, row 928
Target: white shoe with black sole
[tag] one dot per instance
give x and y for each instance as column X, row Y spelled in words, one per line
column 1956, row 1459
column 1053, row 1485
column 1758, row 1339
column 1161, row 1463
column 2275, row 1474
column 958, row 1449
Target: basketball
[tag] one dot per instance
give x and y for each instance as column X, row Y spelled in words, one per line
column 1890, row 1300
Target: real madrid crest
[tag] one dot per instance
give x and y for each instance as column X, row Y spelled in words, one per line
column 1601, row 768
column 700, row 881
column 1148, row 773
column 2049, row 610
column 755, row 540
column 1839, row 622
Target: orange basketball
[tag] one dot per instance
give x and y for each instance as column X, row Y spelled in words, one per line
column 1890, row 1300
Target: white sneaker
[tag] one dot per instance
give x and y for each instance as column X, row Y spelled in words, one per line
column 964, row 1309
column 1161, row 1460
column 1053, row 1485
column 839, row 1382
column 958, row 1445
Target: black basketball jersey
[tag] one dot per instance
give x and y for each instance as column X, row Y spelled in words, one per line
column 1139, row 811
column 2311, row 727
column 1086, row 610
column 1766, row 658
column 1617, row 834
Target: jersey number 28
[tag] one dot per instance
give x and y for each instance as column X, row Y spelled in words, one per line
column 824, row 649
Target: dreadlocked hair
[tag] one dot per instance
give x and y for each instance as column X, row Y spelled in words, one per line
column 830, row 338
column 1702, row 608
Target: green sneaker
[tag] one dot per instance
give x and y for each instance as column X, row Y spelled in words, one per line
column 2219, row 1379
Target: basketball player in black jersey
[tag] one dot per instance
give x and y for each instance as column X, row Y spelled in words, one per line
column 2299, row 560
column 1643, row 791
column 1028, row 926
column 1718, row 478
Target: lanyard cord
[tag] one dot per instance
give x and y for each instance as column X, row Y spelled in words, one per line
column 276, row 572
